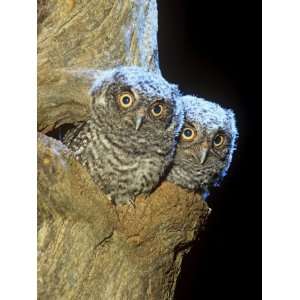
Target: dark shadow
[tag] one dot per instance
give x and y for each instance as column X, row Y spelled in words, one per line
column 213, row 50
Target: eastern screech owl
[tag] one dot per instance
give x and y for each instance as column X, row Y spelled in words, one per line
column 130, row 137
column 206, row 145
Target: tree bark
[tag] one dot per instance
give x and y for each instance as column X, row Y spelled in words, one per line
column 90, row 249
column 87, row 247
column 76, row 37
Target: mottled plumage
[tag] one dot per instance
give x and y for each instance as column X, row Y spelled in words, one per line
column 130, row 138
column 206, row 145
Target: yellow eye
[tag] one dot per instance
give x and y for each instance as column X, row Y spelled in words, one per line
column 157, row 110
column 126, row 100
column 219, row 140
column 188, row 134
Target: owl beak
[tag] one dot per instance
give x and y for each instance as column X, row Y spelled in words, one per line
column 139, row 119
column 203, row 153
column 138, row 122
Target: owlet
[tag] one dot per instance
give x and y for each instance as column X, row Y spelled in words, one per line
column 206, row 145
column 130, row 137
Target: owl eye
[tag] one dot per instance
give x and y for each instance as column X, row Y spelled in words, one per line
column 188, row 134
column 157, row 110
column 126, row 100
column 219, row 140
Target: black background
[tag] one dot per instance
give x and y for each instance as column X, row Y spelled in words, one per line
column 212, row 49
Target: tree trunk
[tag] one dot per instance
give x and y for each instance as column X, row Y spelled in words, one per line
column 77, row 36
column 87, row 247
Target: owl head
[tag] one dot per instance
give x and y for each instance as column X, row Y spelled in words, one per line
column 206, row 144
column 138, row 106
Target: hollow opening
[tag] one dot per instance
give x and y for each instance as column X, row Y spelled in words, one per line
column 59, row 132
